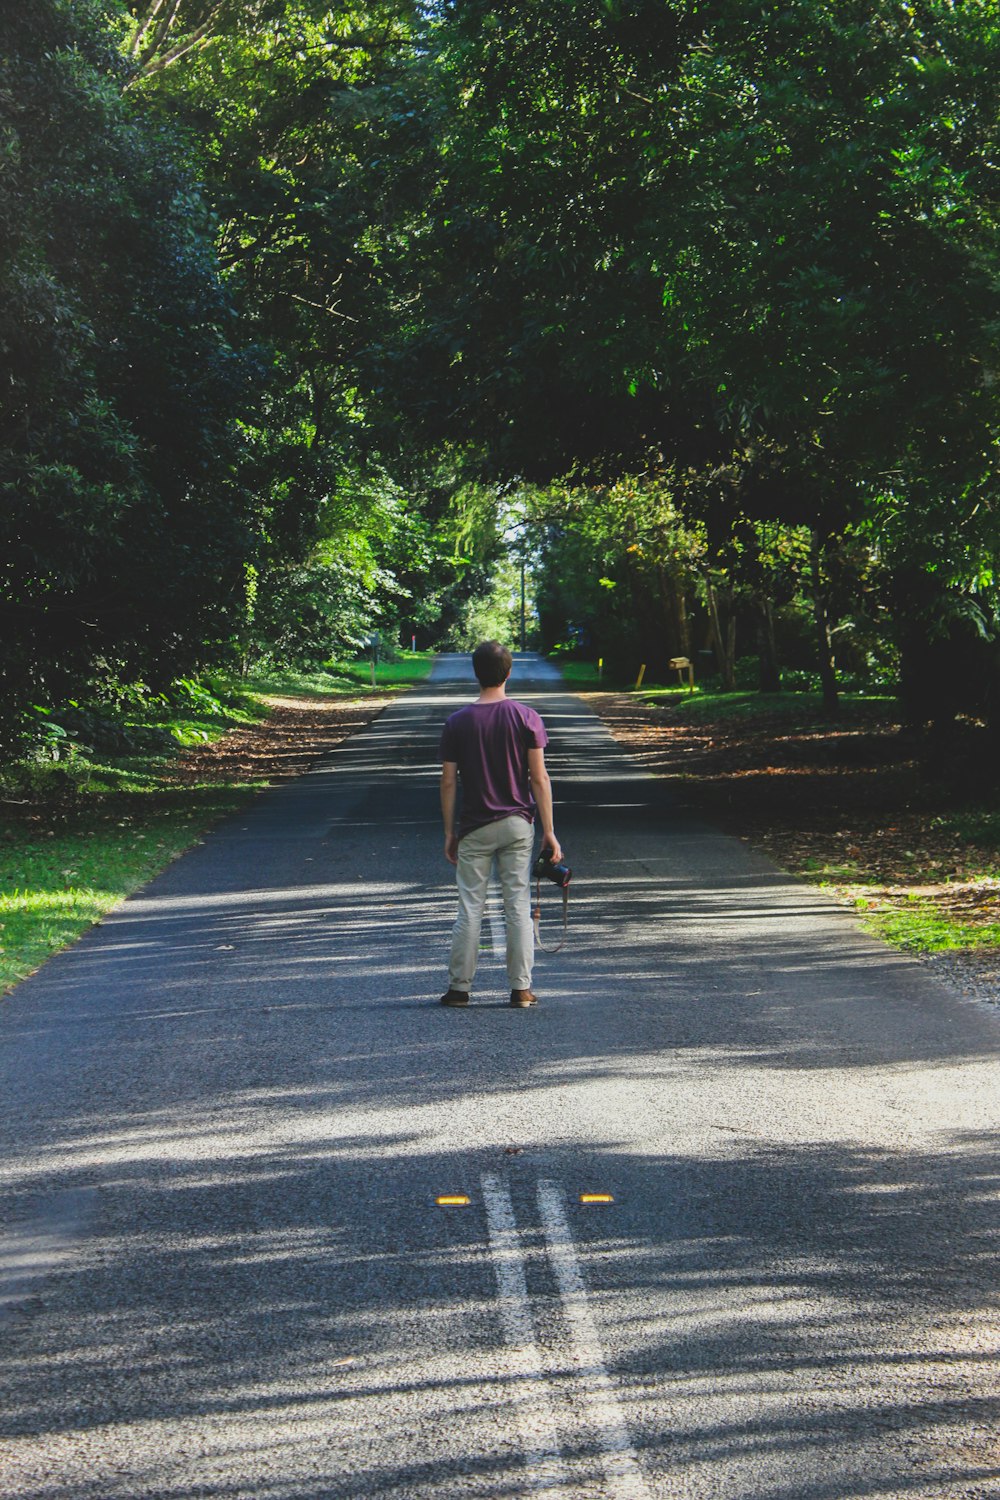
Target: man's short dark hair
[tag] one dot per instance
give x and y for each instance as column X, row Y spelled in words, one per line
column 491, row 663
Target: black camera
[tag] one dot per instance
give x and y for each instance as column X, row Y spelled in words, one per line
column 547, row 869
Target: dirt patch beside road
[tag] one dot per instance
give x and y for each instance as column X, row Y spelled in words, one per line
column 296, row 733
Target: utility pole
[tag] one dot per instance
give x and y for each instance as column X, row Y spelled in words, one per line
column 522, row 594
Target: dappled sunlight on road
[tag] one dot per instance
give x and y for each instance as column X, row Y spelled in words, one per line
column 226, row 1267
column 715, row 1289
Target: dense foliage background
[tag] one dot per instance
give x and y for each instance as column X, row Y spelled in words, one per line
column 323, row 319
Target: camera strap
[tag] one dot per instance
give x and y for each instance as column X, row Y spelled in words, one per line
column 536, row 917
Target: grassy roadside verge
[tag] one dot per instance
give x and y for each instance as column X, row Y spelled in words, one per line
column 850, row 804
column 60, row 874
column 79, row 834
column 347, row 678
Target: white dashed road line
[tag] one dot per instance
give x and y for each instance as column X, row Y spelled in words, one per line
column 531, row 1400
column 593, row 1387
column 622, row 1474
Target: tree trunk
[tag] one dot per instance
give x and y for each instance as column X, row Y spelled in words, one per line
column 683, row 624
column 723, row 642
column 824, row 631
column 770, row 672
column 675, row 605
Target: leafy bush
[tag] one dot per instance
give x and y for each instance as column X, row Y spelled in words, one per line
column 189, row 693
column 794, row 680
column 50, row 784
column 48, row 740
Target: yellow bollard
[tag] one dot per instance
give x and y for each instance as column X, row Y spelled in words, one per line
column 642, row 673
column 600, row 668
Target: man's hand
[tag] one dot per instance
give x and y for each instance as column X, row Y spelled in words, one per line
column 550, row 842
column 451, row 848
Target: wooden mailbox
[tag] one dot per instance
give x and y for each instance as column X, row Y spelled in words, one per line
column 680, row 665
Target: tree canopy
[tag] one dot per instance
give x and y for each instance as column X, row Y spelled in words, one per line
column 295, row 295
column 124, row 523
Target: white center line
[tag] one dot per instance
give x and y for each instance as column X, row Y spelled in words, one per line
column 621, row 1467
column 532, row 1406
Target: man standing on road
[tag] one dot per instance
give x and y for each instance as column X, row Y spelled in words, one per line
column 497, row 746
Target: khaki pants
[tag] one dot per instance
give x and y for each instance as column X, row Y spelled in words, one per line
column 510, row 842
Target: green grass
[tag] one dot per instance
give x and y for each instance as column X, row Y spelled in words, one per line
column 800, row 708
column 61, row 873
column 922, row 928
column 79, row 834
column 345, row 679
column 914, row 922
column 412, row 667
column 584, row 675
column 711, row 703
column 290, row 683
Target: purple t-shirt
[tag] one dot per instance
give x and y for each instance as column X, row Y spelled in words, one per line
column 490, row 744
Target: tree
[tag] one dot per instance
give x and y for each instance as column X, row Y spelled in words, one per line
column 296, row 122
column 749, row 239
column 123, row 526
column 620, row 566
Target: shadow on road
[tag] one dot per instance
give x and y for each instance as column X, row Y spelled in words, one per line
column 259, row 1293
column 796, row 1282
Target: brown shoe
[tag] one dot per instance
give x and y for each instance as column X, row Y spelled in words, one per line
column 455, row 997
column 523, row 997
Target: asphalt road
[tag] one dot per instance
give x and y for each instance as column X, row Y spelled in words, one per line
column 230, row 1110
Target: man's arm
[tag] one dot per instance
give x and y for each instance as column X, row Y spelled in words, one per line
column 449, row 789
column 541, row 788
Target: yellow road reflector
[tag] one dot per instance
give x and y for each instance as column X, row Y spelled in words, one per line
column 597, row 1197
column 452, row 1200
